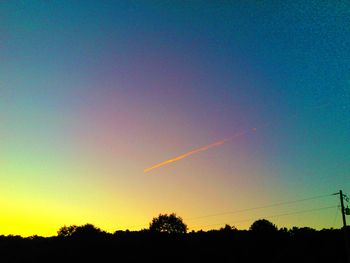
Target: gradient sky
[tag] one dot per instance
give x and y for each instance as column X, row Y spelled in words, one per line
column 94, row 92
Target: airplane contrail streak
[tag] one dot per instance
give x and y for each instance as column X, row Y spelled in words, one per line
column 201, row 149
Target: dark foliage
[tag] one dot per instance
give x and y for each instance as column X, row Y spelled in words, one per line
column 228, row 228
column 263, row 226
column 85, row 231
column 90, row 244
column 168, row 224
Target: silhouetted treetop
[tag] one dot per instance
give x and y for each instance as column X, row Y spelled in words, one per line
column 263, row 226
column 168, row 224
column 87, row 230
column 228, row 228
column 66, row 231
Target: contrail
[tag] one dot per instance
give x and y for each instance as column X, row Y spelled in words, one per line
column 202, row 149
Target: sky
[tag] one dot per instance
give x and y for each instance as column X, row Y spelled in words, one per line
column 92, row 93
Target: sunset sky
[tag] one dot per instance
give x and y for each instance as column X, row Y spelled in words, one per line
column 92, row 93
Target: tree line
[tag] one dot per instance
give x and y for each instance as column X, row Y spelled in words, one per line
column 167, row 239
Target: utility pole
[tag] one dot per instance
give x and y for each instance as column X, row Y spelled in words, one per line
column 343, row 212
column 342, row 207
column 345, row 230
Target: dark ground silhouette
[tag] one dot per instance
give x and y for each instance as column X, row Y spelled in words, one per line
column 262, row 243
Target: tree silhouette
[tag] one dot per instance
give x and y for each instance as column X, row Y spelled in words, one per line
column 66, row 231
column 87, row 230
column 263, row 226
column 228, row 228
column 87, row 243
column 168, row 224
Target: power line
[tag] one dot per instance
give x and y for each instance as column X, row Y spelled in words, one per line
column 278, row 215
column 336, row 215
column 251, row 209
column 260, row 207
